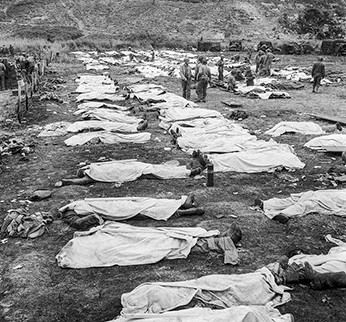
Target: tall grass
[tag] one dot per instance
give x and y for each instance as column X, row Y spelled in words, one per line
column 24, row 44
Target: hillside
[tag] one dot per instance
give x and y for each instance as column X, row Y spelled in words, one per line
column 158, row 22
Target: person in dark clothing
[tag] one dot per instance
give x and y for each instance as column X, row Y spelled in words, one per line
column 220, row 66
column 186, row 75
column 318, row 72
column 203, row 77
column 249, row 76
column 2, row 75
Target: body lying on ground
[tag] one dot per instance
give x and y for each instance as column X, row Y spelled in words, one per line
column 82, row 214
column 129, row 170
column 115, row 243
column 326, row 202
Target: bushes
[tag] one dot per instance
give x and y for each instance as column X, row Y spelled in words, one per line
column 318, row 22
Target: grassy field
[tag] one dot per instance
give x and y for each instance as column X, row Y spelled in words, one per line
column 41, row 291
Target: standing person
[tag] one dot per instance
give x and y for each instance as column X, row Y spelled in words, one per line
column 257, row 60
column 262, row 64
column 203, row 78
column 2, row 75
column 152, row 55
column 11, row 49
column 318, row 72
column 249, row 53
column 199, row 60
column 231, row 82
column 249, row 77
column 220, row 65
column 268, row 62
column 186, row 75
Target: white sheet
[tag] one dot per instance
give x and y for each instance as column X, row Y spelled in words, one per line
column 130, row 170
column 208, row 125
column 144, row 87
column 94, row 105
column 127, row 207
column 104, row 114
column 81, row 126
column 170, row 100
column 214, row 142
column 308, row 128
column 199, row 314
column 99, row 96
column 151, row 71
column 54, row 129
column 326, row 140
column 264, row 159
column 99, row 88
column 333, row 262
column 120, row 244
column 108, row 138
column 326, row 202
column 181, row 114
column 221, row 291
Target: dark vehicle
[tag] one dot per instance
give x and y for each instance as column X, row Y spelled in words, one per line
column 291, row 48
column 209, row 46
column 333, row 47
column 235, row 45
column 264, row 45
column 307, row 49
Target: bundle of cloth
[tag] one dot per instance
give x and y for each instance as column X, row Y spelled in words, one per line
column 19, row 223
column 115, row 243
column 306, row 128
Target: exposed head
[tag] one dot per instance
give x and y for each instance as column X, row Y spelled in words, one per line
column 204, row 60
column 320, row 58
column 222, row 56
column 233, row 72
column 186, row 60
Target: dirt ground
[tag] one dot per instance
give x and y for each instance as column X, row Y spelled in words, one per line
column 41, row 291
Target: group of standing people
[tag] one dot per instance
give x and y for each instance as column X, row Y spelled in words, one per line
column 20, row 66
column 202, row 76
column 264, row 61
